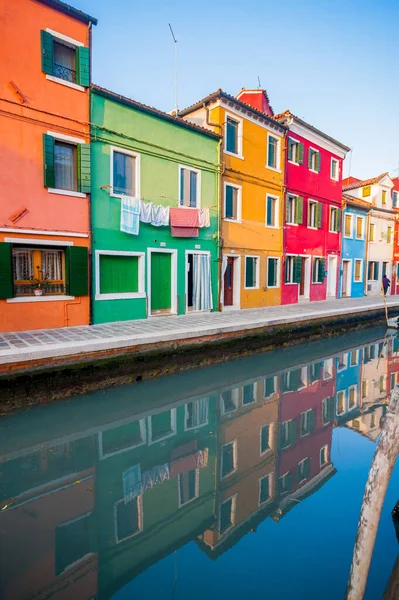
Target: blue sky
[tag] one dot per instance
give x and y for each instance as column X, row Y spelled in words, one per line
column 332, row 63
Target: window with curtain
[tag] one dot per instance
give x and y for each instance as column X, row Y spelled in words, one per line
column 64, row 61
column 189, row 188
column 42, row 264
column 272, row 272
column 197, row 413
column 124, row 174
column 65, row 166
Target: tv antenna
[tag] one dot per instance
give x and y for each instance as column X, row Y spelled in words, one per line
column 259, row 85
column 176, row 86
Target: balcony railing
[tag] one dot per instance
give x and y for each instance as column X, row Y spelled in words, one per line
column 64, row 73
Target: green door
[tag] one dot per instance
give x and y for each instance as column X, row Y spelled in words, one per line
column 161, row 273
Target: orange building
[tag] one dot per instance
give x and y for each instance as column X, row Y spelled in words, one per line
column 45, row 165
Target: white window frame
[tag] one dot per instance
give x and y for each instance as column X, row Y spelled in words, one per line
column 372, row 227
column 358, row 217
column 239, row 202
column 312, row 203
column 374, row 262
column 355, row 364
column 168, row 435
column 180, row 504
column 296, row 144
column 75, row 141
column 254, row 399
column 350, row 389
column 198, row 172
column 318, row 152
column 299, row 464
column 277, row 168
column 125, row 295
column 283, row 477
column 361, row 270
column 350, row 215
column 305, row 415
column 137, row 157
column 103, row 456
column 233, row 513
column 140, row 519
column 71, row 43
column 292, row 199
column 313, row 259
column 336, row 211
column 271, row 433
column 235, row 455
column 276, row 212
column 234, row 398
column 336, row 178
column 345, row 362
column 291, row 257
column 268, row 476
column 325, row 448
column 278, row 277
column 328, row 370
column 256, row 287
column 186, row 427
column 233, row 117
column 275, row 381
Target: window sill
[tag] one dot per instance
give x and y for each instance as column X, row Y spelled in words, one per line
column 275, row 169
column 251, row 288
column 125, row 296
column 39, row 299
column 69, row 84
column 272, row 226
column 313, row 171
column 311, row 227
column 291, row 162
column 293, row 224
column 333, row 231
column 66, row 193
column 240, row 156
column 348, row 237
column 229, row 220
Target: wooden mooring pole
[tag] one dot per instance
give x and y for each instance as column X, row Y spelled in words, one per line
column 373, row 500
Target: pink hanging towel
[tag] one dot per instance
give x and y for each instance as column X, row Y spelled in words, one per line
column 184, row 222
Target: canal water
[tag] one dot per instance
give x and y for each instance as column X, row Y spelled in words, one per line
column 242, row 480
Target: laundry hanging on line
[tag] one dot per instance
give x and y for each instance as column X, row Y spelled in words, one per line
column 184, row 222
column 155, row 214
column 130, row 215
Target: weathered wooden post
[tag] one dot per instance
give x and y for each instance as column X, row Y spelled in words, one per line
column 380, row 473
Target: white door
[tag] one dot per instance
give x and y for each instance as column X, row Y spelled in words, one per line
column 332, row 277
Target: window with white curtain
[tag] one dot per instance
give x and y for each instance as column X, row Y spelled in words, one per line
column 65, row 166
column 40, row 264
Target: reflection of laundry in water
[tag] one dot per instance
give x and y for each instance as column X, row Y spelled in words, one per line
column 154, row 476
column 188, row 463
column 131, row 483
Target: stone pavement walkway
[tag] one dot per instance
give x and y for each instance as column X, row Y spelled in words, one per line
column 48, row 343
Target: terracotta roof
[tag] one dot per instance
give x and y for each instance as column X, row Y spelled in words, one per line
column 358, row 202
column 349, row 180
column 152, row 111
column 223, row 95
column 70, row 10
column 361, row 183
column 286, row 114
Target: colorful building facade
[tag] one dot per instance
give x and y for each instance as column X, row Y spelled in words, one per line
column 377, row 192
column 167, row 169
column 312, row 243
column 395, row 207
column 353, row 274
column 251, row 201
column 45, row 158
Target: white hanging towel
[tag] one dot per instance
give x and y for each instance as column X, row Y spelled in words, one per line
column 130, row 215
column 145, row 211
column 159, row 215
column 203, row 217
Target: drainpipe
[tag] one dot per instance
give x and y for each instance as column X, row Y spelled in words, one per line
column 367, row 254
column 340, row 263
column 219, row 193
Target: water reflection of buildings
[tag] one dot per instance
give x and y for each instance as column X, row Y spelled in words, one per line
column 83, row 515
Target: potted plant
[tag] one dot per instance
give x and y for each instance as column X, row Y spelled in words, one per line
column 40, row 282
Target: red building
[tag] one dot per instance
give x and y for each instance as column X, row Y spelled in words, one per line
column 395, row 260
column 313, row 179
column 306, row 416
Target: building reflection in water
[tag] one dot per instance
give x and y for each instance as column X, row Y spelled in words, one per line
column 84, row 514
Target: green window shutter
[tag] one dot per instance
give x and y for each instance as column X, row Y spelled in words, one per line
column 119, row 274
column 84, row 170
column 271, row 272
column 48, row 161
column 300, row 153
column 310, row 158
column 83, row 66
column 321, row 270
column 318, row 162
column 292, row 433
column 249, row 272
column 288, row 482
column 319, row 214
column 287, row 208
column 311, row 421
column 229, row 202
column 47, row 52
column 338, row 223
column 307, row 468
column 77, row 268
column 299, row 210
column 6, row 276
column 297, row 269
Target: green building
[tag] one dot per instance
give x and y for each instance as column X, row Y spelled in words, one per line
column 155, row 217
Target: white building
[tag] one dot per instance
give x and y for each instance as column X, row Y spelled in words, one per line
column 380, row 231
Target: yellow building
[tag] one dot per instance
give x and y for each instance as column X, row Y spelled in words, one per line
column 251, row 196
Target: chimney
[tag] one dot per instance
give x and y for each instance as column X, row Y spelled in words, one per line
column 257, row 99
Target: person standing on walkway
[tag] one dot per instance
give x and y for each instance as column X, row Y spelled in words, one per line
column 385, row 283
